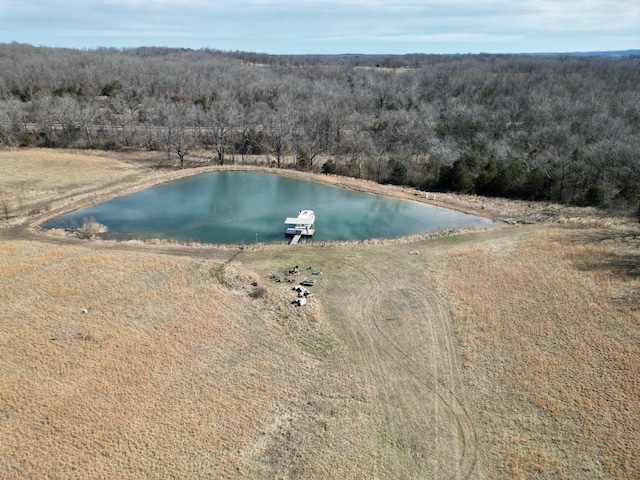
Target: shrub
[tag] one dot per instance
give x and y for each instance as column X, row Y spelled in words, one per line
column 5, row 208
column 258, row 292
column 485, row 179
column 112, row 88
column 303, row 160
column 90, row 229
column 38, row 209
column 594, row 196
column 398, row 172
column 27, row 140
column 329, row 167
column 456, row 178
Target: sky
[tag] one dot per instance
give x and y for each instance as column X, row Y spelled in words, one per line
column 328, row 26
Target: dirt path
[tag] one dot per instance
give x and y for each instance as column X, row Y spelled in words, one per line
column 194, row 251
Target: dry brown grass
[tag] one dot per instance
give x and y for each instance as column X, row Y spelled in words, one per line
column 169, row 374
column 552, row 351
column 32, row 180
column 502, row 354
column 523, row 341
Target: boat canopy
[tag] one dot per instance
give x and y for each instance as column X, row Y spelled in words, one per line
column 299, row 221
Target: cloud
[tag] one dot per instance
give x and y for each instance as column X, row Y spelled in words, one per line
column 288, row 26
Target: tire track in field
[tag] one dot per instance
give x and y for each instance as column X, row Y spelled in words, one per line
column 393, row 348
column 357, row 305
column 431, row 326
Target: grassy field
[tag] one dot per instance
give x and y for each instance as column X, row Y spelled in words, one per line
column 512, row 353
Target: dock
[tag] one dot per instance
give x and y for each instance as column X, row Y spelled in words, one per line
column 301, row 226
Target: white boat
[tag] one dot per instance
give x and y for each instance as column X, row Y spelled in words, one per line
column 303, row 224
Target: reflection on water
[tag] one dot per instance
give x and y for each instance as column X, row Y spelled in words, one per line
column 240, row 207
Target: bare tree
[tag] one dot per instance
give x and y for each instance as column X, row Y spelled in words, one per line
column 221, row 118
column 66, row 110
column 314, row 132
column 86, row 115
column 245, row 126
column 123, row 107
column 278, row 126
column 12, row 120
column 179, row 133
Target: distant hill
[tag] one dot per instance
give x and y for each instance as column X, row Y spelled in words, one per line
column 608, row 53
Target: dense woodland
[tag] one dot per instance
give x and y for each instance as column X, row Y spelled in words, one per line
column 561, row 128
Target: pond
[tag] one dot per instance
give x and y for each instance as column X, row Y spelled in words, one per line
column 235, row 207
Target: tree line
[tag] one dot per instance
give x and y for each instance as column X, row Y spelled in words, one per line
column 560, row 128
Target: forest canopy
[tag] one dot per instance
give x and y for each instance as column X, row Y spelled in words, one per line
column 561, row 128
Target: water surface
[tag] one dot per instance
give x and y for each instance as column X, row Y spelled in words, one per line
column 245, row 207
